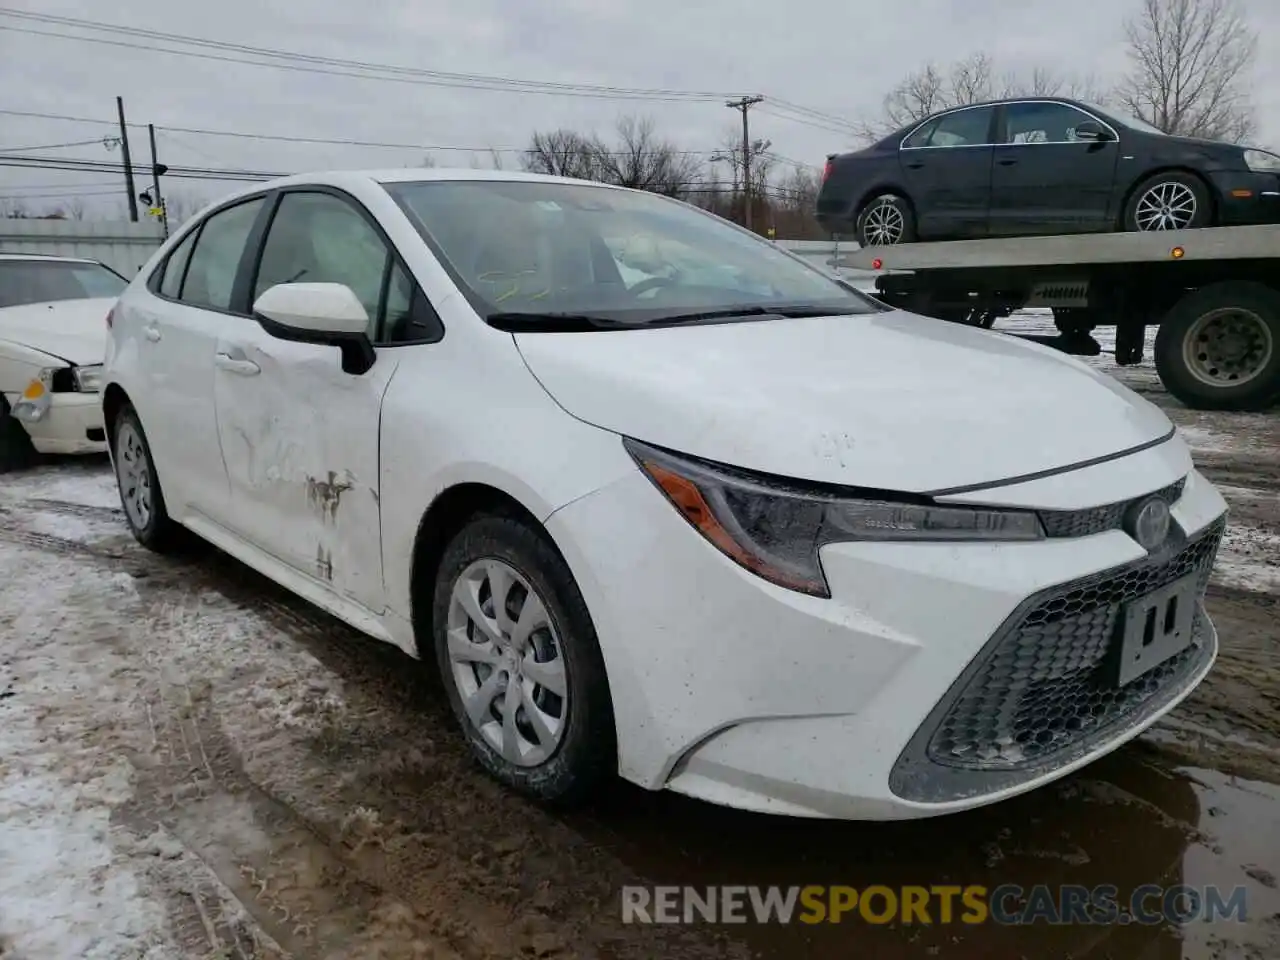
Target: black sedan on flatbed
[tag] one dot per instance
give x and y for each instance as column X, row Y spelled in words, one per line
column 1039, row 166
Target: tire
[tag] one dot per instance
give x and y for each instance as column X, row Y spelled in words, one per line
column 876, row 221
column 563, row 769
column 16, row 450
column 1174, row 186
column 131, row 457
column 1209, row 373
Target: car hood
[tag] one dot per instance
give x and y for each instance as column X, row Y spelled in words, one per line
column 72, row 330
column 888, row 401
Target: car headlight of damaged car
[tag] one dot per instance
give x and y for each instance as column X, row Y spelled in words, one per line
column 776, row 529
column 1260, row 161
column 88, row 379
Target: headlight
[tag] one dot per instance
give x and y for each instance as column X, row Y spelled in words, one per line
column 775, row 529
column 88, row 379
column 1260, row 161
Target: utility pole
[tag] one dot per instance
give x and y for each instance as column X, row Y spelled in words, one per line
column 158, row 200
column 743, row 105
column 128, row 164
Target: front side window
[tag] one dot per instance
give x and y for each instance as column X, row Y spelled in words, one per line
column 548, row 250
column 45, row 281
column 920, row 137
column 211, row 274
column 964, row 128
column 320, row 238
column 1042, row 123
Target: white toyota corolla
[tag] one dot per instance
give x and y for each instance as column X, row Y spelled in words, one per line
column 719, row 524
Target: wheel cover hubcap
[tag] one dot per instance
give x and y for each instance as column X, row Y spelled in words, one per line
column 1166, row 206
column 507, row 662
column 883, row 224
column 134, row 476
column 1228, row 347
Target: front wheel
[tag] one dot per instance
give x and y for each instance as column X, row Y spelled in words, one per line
column 15, row 443
column 520, row 661
column 885, row 220
column 1169, row 201
column 1219, row 348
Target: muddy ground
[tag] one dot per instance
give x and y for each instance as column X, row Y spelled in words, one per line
column 193, row 764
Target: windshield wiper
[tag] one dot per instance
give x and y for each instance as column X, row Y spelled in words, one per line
column 554, row 322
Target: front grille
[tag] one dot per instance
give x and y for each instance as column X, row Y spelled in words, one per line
column 1082, row 523
column 1041, row 694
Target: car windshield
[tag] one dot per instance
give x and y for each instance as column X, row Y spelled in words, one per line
column 40, row 281
column 542, row 253
column 1133, row 123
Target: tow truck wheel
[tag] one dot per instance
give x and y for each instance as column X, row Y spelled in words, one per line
column 885, row 220
column 1219, row 347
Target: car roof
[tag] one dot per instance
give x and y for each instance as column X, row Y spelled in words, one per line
column 355, row 178
column 45, row 258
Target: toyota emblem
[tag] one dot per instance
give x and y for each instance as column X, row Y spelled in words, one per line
column 1150, row 523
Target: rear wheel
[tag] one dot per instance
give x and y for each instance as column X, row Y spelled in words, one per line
column 1169, row 201
column 1219, row 347
column 885, row 220
column 140, row 493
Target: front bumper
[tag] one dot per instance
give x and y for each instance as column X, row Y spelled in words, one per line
column 1246, row 198
column 730, row 689
column 62, row 423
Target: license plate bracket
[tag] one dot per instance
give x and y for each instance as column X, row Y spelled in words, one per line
column 1156, row 627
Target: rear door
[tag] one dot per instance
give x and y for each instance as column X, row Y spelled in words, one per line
column 946, row 165
column 190, row 307
column 1044, row 179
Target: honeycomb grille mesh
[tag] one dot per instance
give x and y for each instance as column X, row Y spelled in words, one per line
column 1082, row 523
column 1045, row 685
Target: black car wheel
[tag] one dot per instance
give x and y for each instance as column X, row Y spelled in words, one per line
column 1173, row 200
column 885, row 220
column 15, row 445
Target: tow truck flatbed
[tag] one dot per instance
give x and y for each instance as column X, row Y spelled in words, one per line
column 1214, row 294
column 1212, row 243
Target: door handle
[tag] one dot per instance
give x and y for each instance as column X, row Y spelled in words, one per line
column 1007, row 162
column 915, row 165
column 242, row 368
column 151, row 332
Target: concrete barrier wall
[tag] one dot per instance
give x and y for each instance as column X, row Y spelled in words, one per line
column 124, row 246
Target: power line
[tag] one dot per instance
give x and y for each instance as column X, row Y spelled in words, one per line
column 53, row 146
column 308, row 63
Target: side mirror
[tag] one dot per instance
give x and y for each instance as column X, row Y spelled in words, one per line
column 1092, row 132
column 324, row 313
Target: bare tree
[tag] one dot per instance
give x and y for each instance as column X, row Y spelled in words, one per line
column 75, row 208
column 1190, row 61
column 970, row 80
column 564, row 153
column 429, row 162
column 639, row 159
column 645, row 162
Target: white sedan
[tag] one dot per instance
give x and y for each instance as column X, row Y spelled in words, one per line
column 744, row 534
column 52, row 336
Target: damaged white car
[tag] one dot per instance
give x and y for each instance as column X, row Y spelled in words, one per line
column 52, row 336
column 729, row 528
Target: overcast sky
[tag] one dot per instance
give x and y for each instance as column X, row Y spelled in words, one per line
column 838, row 57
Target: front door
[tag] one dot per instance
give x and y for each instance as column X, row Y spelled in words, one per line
column 1046, row 181
column 299, row 436
column 946, row 165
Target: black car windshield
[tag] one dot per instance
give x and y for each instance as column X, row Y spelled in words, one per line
column 542, row 251
column 41, row 281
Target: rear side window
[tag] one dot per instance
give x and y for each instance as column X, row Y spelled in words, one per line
column 921, row 136
column 176, row 266
column 211, row 273
column 964, row 128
